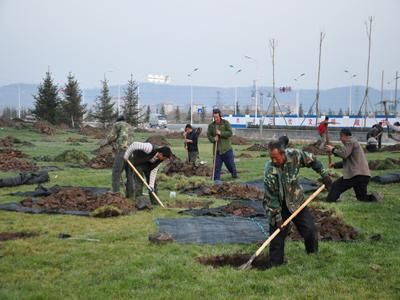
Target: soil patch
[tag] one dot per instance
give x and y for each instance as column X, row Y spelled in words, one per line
column 97, row 133
column 234, row 260
column 384, row 164
column 176, row 166
column 104, row 158
column 158, row 140
column 174, row 135
column 244, row 155
column 258, row 147
column 6, row 236
column 11, row 159
column 45, row 127
column 238, row 140
column 78, row 199
column 189, row 204
column 77, row 140
column 390, row 148
column 9, row 142
column 232, row 191
column 314, row 149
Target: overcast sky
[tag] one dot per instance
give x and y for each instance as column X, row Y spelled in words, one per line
column 173, row 37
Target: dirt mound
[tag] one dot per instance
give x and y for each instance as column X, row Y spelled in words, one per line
column 330, row 227
column 97, row 133
column 45, row 127
column 174, row 135
column 104, row 157
column 158, row 140
column 258, row 147
column 238, row 140
column 244, row 155
column 77, row 140
column 232, row 191
column 72, row 156
column 234, row 260
column 390, row 148
column 177, row 166
column 384, row 164
column 13, row 160
column 314, row 149
column 6, row 236
column 9, row 142
column 78, row 199
column 238, row 210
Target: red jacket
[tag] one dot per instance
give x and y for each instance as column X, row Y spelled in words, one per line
column 322, row 127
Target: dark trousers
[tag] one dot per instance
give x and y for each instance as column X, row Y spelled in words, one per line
column 192, row 156
column 119, row 166
column 359, row 183
column 138, row 185
column 306, row 226
column 228, row 159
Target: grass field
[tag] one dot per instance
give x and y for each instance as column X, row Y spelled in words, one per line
column 124, row 265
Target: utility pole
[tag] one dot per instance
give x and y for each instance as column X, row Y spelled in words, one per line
column 322, row 36
column 395, row 95
column 383, row 72
column 365, row 100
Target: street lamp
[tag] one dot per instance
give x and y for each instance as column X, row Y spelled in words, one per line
column 298, row 93
column 351, row 76
column 236, row 99
column 191, row 94
column 255, row 85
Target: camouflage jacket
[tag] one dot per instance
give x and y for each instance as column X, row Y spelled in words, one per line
column 281, row 184
column 122, row 134
column 224, row 143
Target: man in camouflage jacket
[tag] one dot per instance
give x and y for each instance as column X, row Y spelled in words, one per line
column 122, row 134
column 283, row 195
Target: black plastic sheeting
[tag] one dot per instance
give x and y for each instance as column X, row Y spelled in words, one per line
column 25, row 178
column 221, row 211
column 209, row 230
column 42, row 191
column 387, row 178
column 308, row 185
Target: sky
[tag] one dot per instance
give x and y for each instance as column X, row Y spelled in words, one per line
column 97, row 38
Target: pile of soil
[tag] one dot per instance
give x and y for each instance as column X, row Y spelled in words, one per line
column 13, row 160
column 9, row 142
column 314, row 149
column 232, row 191
column 244, row 155
column 72, row 156
column 258, row 147
column 97, row 133
column 77, row 140
column 177, row 166
column 238, row 210
column 45, row 127
column 158, row 140
column 391, row 148
column 78, row 199
column 384, row 164
column 104, row 158
column 6, row 236
column 238, row 140
column 234, row 260
column 330, row 227
column 174, row 135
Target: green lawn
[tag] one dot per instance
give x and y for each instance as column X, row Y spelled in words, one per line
column 124, row 265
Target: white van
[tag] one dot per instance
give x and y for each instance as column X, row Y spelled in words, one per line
column 157, row 120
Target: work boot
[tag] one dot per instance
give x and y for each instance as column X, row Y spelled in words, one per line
column 375, row 197
column 235, row 176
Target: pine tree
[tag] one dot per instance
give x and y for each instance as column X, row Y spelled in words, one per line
column 47, row 100
column 340, row 113
column 203, row 115
column 177, row 114
column 130, row 106
column 147, row 116
column 162, row 110
column 237, row 108
column 104, row 108
column 301, row 110
column 247, row 112
column 188, row 117
column 72, row 106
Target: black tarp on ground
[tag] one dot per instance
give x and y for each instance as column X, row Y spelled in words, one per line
column 25, row 178
column 308, row 185
column 209, row 230
column 221, row 211
column 387, row 178
column 41, row 191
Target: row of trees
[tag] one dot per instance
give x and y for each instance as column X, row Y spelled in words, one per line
column 69, row 107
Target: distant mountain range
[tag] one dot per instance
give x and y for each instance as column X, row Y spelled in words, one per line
column 155, row 94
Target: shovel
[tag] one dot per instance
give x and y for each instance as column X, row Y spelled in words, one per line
column 247, row 265
column 145, row 183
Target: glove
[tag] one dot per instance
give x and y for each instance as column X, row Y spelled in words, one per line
column 327, row 181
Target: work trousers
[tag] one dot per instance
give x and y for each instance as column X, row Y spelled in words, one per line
column 228, row 159
column 306, row 227
column 119, row 166
column 138, row 185
column 193, row 156
column 359, row 183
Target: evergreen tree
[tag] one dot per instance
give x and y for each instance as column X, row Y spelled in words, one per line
column 237, row 108
column 203, row 115
column 72, row 106
column 177, row 114
column 47, row 100
column 340, row 113
column 301, row 110
column 130, row 106
column 331, row 112
column 147, row 116
column 162, row 110
column 104, row 108
column 247, row 112
column 188, row 117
